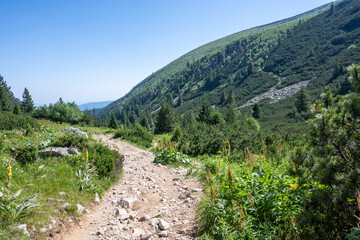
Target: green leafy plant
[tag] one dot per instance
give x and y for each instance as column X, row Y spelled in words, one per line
column 10, row 209
column 255, row 199
column 137, row 135
column 86, row 176
column 168, row 154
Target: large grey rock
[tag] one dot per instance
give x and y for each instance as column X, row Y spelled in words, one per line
column 59, row 151
column 75, row 131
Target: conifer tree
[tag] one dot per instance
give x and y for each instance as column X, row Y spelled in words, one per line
column 250, row 68
column 180, row 100
column 188, row 119
column 170, row 99
column 204, row 114
column 166, row 119
column 113, row 122
column 144, row 121
column 331, row 150
column 27, row 103
column 231, row 99
column 332, row 8
column 132, row 117
column 302, row 101
column 88, row 118
column 223, row 97
column 256, row 111
column 230, row 114
column 17, row 109
column 5, row 99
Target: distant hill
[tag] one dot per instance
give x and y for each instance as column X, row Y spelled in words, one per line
column 312, row 50
column 92, row 105
column 151, row 83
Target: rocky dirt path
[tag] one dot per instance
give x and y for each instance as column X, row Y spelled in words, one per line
column 149, row 201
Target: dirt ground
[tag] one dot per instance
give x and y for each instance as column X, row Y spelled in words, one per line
column 150, row 201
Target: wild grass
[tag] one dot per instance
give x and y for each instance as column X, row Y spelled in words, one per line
column 46, row 177
column 250, row 199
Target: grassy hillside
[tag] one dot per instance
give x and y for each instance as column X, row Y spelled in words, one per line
column 317, row 49
column 178, row 65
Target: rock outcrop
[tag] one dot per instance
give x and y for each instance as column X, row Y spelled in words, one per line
column 59, row 151
column 275, row 94
column 74, row 131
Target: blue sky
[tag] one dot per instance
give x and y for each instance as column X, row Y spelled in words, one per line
column 97, row 50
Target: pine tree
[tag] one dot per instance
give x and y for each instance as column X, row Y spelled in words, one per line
column 337, row 71
column 230, row 114
column 180, row 100
column 166, row 119
column 5, row 99
column 188, row 119
column 17, row 109
column 132, row 117
column 170, row 99
column 250, row 68
column 204, row 114
column 231, row 99
column 256, row 111
column 113, row 122
column 88, row 118
column 302, row 101
column 144, row 121
column 332, row 8
column 223, row 97
column 330, row 156
column 27, row 103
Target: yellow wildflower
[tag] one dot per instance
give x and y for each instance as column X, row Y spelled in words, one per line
column 86, row 155
column 294, row 186
column 9, row 172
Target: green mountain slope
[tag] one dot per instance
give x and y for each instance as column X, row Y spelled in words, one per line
column 209, row 49
column 310, row 52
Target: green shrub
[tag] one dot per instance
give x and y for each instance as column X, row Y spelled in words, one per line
column 137, row 135
column 330, row 155
column 10, row 121
column 60, row 112
column 70, row 140
column 168, row 154
column 255, row 199
column 105, row 160
column 26, row 153
column 203, row 138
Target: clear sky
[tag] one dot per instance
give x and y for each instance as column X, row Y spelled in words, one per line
column 97, row 50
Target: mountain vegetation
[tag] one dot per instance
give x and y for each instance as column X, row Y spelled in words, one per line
column 273, row 169
column 250, row 65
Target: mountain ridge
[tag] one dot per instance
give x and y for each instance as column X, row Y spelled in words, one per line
column 217, row 45
column 317, row 48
